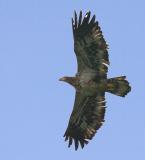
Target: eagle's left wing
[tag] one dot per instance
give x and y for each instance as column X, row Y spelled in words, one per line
column 89, row 44
column 87, row 117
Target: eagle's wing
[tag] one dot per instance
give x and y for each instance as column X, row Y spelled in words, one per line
column 86, row 118
column 89, row 45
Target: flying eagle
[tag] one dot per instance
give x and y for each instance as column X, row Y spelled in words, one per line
column 91, row 81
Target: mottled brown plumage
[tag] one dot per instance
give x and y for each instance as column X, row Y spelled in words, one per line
column 91, row 81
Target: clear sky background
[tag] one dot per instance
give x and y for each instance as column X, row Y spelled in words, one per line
column 36, row 48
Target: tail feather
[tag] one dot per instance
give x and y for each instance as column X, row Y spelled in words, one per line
column 118, row 86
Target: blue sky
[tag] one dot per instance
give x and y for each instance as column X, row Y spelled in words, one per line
column 36, row 48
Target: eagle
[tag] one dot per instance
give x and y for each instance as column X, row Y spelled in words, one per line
column 90, row 81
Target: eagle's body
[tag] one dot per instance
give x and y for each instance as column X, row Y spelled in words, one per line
column 91, row 81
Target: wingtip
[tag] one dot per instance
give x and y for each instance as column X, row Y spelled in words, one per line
column 82, row 143
column 76, row 144
column 75, row 13
column 88, row 12
column 70, row 142
column 93, row 19
column 75, row 20
column 72, row 21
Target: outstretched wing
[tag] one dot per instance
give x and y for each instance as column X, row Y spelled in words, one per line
column 87, row 117
column 89, row 45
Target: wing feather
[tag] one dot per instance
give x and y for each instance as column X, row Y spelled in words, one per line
column 80, row 19
column 83, row 126
column 76, row 21
column 89, row 44
column 86, row 18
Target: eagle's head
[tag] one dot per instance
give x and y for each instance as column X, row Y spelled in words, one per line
column 71, row 80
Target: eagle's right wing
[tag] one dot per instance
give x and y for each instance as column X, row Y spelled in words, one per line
column 86, row 118
column 89, row 44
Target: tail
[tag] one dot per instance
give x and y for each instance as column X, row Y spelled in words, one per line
column 118, row 86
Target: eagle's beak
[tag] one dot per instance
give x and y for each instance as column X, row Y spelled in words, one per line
column 62, row 79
